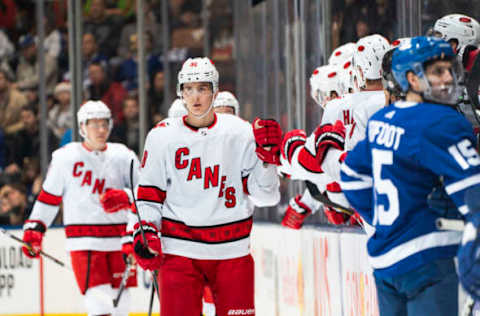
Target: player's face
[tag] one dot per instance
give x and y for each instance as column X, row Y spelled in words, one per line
column 198, row 97
column 440, row 73
column 440, row 76
column 225, row 109
column 97, row 131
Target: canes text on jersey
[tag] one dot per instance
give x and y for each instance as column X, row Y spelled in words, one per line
column 209, row 174
column 98, row 184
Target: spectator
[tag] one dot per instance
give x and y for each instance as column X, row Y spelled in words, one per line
column 11, row 103
column 15, row 208
column 156, row 93
column 8, row 15
column 53, row 38
column 6, row 47
column 104, row 27
column 90, row 54
column 32, row 178
column 123, row 8
column 27, row 70
column 127, row 132
column 185, row 13
column 101, row 88
column 128, row 72
column 361, row 28
column 151, row 25
column 27, row 141
column 60, row 116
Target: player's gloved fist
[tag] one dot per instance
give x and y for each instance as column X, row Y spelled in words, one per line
column 327, row 136
column 355, row 219
column 114, row 200
column 296, row 213
column 291, row 141
column 268, row 137
column 149, row 258
column 33, row 235
column 439, row 201
column 333, row 216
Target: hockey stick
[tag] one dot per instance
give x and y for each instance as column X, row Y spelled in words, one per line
column 29, row 247
column 315, row 193
column 101, row 295
column 123, row 283
column 139, row 219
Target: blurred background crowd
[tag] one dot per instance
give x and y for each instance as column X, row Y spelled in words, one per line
column 264, row 50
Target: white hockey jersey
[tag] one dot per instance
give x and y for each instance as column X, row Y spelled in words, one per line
column 353, row 110
column 362, row 105
column 78, row 176
column 195, row 185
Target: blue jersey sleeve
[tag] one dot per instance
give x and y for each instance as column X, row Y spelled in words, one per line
column 356, row 179
column 447, row 149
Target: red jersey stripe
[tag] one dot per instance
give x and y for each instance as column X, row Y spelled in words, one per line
column 207, row 234
column 151, row 194
column 49, row 198
column 112, row 230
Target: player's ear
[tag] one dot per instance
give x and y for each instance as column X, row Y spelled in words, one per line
column 413, row 81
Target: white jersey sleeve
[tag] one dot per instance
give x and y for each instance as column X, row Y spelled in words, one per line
column 152, row 184
column 364, row 104
column 48, row 201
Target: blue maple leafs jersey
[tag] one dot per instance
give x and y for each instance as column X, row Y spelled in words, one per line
column 388, row 176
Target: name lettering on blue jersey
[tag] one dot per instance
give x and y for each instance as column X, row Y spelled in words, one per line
column 385, row 134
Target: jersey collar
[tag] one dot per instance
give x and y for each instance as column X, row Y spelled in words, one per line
column 405, row 104
column 194, row 128
column 90, row 150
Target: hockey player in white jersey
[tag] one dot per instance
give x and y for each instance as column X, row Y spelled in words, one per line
column 343, row 122
column 463, row 34
column 197, row 175
column 78, row 175
column 325, row 85
column 360, row 106
column 226, row 103
column 341, row 54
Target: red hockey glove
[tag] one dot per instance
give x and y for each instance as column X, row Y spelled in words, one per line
column 114, row 200
column 355, row 220
column 296, row 213
column 334, row 217
column 327, row 136
column 33, row 234
column 291, row 141
column 268, row 137
column 149, row 258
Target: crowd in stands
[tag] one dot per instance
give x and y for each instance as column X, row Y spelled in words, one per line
column 110, row 69
column 110, row 73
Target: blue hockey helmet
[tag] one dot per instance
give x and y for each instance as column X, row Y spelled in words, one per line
column 412, row 54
